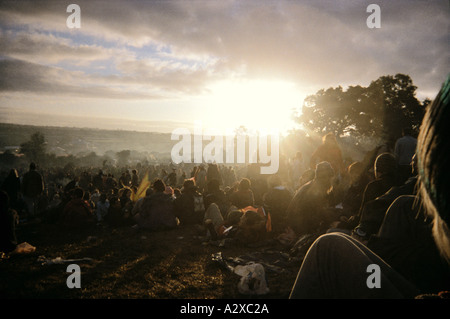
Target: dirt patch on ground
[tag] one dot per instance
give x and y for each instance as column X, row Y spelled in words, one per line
column 134, row 264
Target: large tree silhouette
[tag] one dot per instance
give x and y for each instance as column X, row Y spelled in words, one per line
column 380, row 110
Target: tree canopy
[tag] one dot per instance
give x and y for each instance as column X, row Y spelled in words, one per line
column 380, row 110
column 35, row 148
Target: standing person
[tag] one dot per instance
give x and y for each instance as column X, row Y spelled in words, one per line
column 11, row 185
column 172, row 178
column 200, row 178
column 134, row 178
column 405, row 148
column 329, row 151
column 8, row 220
column 213, row 173
column 32, row 188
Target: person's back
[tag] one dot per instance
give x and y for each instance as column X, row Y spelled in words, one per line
column 32, row 184
column 308, row 211
column 243, row 197
column 304, row 211
column 156, row 212
column 385, row 178
column 406, row 243
column 185, row 206
column 11, row 185
column 329, row 151
column 405, row 148
column 277, row 200
column 77, row 212
column 8, row 240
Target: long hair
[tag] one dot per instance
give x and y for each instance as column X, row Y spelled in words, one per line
column 433, row 156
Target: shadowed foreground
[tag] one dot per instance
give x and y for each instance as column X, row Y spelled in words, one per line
column 128, row 263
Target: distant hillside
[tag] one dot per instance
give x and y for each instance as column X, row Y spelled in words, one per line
column 81, row 140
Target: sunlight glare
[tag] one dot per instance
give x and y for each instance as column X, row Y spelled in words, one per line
column 258, row 105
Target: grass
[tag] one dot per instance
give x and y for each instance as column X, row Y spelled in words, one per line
column 129, row 264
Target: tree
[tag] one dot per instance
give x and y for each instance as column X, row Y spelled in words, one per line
column 380, row 110
column 35, row 148
column 123, row 157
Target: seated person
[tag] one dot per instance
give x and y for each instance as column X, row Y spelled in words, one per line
column 77, row 212
column 336, row 264
column 156, row 211
column 276, row 201
column 309, row 211
column 243, row 197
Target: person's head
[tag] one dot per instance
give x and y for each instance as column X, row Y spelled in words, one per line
column 209, row 199
column 433, row 156
column 13, row 173
column 159, row 186
column 103, row 197
column 244, row 184
column 32, row 166
column 329, row 139
column 385, row 165
column 406, row 131
column 355, row 170
column 307, row 176
column 148, row 191
column 324, row 175
column 78, row 193
column 189, row 184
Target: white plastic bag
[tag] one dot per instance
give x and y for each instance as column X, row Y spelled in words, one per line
column 253, row 279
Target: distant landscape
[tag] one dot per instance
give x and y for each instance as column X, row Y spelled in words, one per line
column 79, row 141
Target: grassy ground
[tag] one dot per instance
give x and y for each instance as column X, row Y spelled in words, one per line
column 130, row 264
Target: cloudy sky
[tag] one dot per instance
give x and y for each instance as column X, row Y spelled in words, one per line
column 158, row 65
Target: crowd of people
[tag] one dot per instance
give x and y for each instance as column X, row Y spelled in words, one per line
column 368, row 212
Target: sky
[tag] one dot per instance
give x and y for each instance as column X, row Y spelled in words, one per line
column 161, row 65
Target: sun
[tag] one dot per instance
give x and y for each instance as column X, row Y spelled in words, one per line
column 258, row 105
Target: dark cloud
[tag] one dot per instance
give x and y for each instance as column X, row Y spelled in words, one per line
column 314, row 43
column 22, row 76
